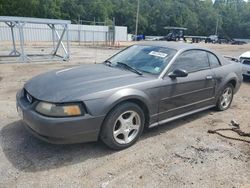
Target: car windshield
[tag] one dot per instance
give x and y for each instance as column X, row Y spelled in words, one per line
column 149, row 59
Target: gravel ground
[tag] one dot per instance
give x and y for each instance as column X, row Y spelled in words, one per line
column 178, row 154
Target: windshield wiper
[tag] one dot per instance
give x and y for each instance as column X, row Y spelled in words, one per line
column 129, row 68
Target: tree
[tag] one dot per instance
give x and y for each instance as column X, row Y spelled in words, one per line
column 200, row 17
column 19, row 8
column 49, row 9
column 72, row 10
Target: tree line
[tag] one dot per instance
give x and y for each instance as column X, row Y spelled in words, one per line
column 201, row 17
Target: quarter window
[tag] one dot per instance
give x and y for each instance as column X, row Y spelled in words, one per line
column 191, row 61
column 214, row 62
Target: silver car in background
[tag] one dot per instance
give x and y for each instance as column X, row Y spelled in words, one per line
column 245, row 60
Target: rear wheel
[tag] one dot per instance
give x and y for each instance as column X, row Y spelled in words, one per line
column 225, row 98
column 123, row 126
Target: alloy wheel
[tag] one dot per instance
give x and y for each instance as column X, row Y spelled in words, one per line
column 126, row 127
column 226, row 97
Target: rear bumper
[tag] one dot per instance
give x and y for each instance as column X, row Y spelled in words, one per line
column 59, row 130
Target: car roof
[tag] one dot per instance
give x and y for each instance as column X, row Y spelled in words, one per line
column 182, row 46
column 173, row 45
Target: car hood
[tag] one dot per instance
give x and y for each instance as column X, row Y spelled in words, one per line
column 74, row 83
column 245, row 55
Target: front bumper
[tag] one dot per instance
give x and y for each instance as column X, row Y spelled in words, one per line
column 246, row 70
column 247, row 74
column 59, row 130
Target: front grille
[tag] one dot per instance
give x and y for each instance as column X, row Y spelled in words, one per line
column 28, row 97
column 246, row 61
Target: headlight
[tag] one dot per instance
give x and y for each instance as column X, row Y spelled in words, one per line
column 59, row 110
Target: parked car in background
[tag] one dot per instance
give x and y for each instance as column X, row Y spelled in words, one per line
column 143, row 86
column 217, row 39
column 238, row 42
column 138, row 37
column 173, row 36
column 212, row 39
column 245, row 60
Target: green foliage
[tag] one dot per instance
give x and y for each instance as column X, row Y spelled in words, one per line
column 232, row 17
column 72, row 10
column 49, row 9
column 19, row 8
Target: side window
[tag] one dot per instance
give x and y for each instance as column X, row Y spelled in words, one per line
column 191, row 61
column 214, row 62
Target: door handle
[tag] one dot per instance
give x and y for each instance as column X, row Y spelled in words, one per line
column 209, row 77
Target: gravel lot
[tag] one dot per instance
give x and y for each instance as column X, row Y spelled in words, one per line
column 178, row 154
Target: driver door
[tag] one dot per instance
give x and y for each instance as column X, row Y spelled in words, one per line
column 184, row 94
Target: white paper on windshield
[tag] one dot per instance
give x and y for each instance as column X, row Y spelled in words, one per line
column 158, row 54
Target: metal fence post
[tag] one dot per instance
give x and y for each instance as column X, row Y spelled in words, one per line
column 53, row 35
column 14, row 50
column 20, row 27
column 79, row 34
column 67, row 35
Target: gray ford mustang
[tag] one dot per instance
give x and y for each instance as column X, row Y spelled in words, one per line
column 143, row 86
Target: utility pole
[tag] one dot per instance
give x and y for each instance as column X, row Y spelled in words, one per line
column 113, row 39
column 217, row 25
column 137, row 17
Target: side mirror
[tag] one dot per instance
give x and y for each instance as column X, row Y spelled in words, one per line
column 178, row 73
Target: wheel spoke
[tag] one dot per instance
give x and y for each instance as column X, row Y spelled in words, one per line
column 126, row 137
column 118, row 132
column 224, row 103
column 132, row 116
column 122, row 121
column 225, row 95
column 223, row 100
column 135, row 127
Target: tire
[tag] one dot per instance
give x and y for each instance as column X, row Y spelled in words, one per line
column 123, row 126
column 225, row 98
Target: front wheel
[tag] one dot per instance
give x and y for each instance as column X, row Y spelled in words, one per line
column 123, row 126
column 225, row 98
